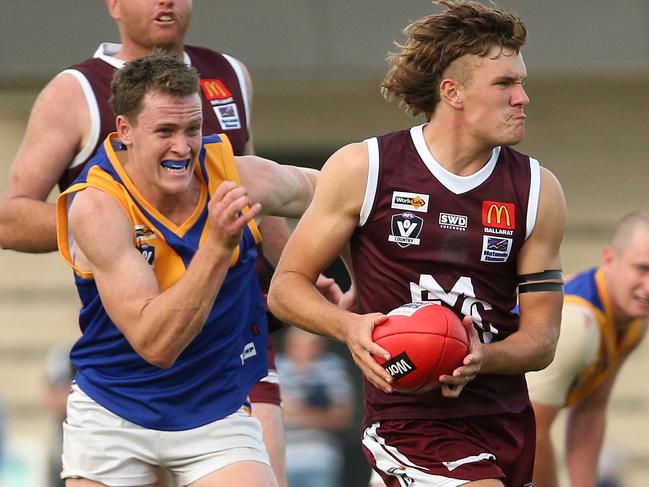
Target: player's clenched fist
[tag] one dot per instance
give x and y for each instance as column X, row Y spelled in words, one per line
column 226, row 213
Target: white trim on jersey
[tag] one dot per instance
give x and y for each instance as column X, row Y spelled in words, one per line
column 372, row 180
column 93, row 112
column 452, row 182
column 107, row 52
column 535, row 194
column 242, row 83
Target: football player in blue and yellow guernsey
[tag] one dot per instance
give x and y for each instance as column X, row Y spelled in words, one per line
column 161, row 231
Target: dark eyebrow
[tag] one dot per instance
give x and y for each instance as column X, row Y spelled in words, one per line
column 509, row 79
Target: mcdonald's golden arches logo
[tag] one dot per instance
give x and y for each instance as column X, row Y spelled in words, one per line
column 214, row 89
column 498, row 214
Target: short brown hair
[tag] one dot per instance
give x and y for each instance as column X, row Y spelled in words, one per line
column 164, row 73
column 435, row 41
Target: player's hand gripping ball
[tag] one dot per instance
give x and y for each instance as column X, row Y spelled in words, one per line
column 425, row 341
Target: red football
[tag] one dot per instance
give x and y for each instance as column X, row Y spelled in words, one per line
column 425, row 341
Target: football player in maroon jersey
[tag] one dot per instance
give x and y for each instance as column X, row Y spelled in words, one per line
column 445, row 212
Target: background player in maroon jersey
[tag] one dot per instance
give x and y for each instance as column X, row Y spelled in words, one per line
column 444, row 212
column 63, row 133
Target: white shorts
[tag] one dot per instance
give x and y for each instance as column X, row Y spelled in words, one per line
column 99, row 445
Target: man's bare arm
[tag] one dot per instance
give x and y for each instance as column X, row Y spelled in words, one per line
column 545, row 466
column 320, row 236
column 585, row 434
column 282, row 190
column 532, row 346
column 57, row 129
column 158, row 325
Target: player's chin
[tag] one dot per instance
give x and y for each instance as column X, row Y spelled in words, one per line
column 639, row 308
column 176, row 185
column 515, row 138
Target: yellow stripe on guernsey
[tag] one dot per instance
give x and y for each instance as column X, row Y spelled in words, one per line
column 168, row 265
column 611, row 350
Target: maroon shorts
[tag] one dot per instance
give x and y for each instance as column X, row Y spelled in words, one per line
column 267, row 389
column 434, row 452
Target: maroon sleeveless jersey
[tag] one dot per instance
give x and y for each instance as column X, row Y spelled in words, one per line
column 224, row 104
column 429, row 235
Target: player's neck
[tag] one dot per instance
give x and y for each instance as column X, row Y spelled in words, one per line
column 454, row 150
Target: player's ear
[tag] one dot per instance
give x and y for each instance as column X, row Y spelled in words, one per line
column 124, row 129
column 113, row 8
column 608, row 255
column 449, row 92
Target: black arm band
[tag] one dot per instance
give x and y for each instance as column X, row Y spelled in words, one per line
column 540, row 276
column 540, row 286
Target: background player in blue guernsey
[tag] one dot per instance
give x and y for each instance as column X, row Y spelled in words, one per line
column 605, row 316
column 171, row 343
column 444, row 212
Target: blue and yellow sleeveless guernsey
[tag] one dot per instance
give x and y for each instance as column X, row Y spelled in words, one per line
column 426, row 234
column 213, row 375
column 587, row 289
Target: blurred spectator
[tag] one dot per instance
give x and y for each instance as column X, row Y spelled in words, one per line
column 59, row 373
column 318, row 404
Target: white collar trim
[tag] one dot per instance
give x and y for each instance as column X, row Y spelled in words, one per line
column 453, row 182
column 108, row 50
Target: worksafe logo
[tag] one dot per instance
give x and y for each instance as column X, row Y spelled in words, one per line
column 402, row 200
column 497, row 214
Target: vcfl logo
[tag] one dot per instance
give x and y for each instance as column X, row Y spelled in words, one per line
column 406, row 228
